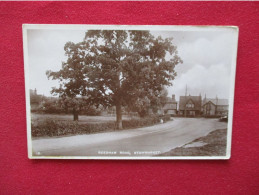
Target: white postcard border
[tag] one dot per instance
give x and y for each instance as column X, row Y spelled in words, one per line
column 129, row 27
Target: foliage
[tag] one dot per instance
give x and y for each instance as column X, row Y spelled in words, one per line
column 50, row 106
column 165, row 117
column 65, row 106
column 147, row 121
column 91, row 111
column 81, row 105
column 142, row 105
column 50, row 127
column 117, row 68
column 35, row 99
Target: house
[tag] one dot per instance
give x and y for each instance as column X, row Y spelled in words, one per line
column 190, row 106
column 214, row 107
column 170, row 106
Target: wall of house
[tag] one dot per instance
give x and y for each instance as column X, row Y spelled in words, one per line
column 171, row 112
column 222, row 110
column 222, row 107
column 209, row 109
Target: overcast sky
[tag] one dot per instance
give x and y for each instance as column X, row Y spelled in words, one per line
column 206, row 59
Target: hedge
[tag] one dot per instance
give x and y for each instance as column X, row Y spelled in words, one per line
column 50, row 127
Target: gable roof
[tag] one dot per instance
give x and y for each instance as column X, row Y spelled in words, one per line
column 195, row 99
column 170, row 104
column 219, row 102
column 170, row 100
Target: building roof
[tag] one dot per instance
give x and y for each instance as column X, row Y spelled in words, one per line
column 170, row 100
column 220, row 102
column 170, row 104
column 185, row 99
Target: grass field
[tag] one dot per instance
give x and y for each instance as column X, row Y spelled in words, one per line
column 82, row 118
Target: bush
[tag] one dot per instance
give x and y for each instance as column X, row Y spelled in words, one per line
column 165, row 117
column 135, row 123
column 148, row 121
column 91, row 111
column 50, row 127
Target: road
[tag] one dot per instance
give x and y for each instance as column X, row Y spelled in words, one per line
column 147, row 141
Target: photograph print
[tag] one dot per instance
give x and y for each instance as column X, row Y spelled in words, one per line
column 129, row 92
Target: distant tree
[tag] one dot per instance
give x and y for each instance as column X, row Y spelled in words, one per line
column 159, row 101
column 118, row 68
column 81, row 104
column 72, row 78
column 148, row 101
column 50, row 106
column 35, row 99
column 76, row 104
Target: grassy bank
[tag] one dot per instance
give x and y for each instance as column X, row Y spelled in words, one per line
column 214, row 144
column 49, row 127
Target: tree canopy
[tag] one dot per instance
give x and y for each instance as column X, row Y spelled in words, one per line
column 117, row 68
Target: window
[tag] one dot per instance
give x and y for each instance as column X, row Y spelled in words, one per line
column 190, row 105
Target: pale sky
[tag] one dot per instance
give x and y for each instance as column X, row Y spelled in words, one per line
column 206, row 59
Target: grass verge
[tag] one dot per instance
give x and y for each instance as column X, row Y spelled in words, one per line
column 214, row 144
column 49, row 127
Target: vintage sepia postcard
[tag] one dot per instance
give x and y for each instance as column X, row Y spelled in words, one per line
column 129, row 91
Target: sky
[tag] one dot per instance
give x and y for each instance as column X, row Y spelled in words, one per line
column 206, row 67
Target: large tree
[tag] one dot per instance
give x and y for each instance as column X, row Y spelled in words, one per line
column 72, row 78
column 118, row 68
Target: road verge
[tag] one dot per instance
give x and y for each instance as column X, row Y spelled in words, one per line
column 214, row 144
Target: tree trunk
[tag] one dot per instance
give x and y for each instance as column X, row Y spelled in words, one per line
column 118, row 115
column 75, row 113
column 118, row 104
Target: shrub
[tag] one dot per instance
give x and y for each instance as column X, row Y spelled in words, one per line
column 165, row 117
column 148, row 121
column 135, row 123
column 50, row 127
column 91, row 111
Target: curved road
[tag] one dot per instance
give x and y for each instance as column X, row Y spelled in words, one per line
column 147, row 141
